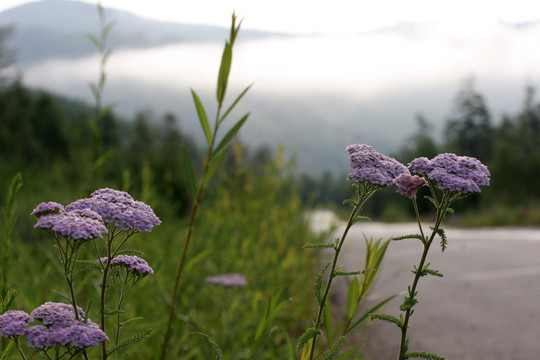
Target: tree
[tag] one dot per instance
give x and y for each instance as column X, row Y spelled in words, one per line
column 468, row 129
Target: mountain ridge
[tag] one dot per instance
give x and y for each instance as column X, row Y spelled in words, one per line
column 57, row 28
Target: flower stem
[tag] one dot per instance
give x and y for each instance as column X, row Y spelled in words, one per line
column 365, row 192
column 441, row 211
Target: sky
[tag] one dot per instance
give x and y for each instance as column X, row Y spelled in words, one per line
column 324, row 16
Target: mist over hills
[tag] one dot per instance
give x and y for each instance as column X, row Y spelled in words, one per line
column 56, row 29
column 314, row 94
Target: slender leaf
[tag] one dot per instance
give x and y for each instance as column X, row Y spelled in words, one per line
column 328, row 322
column 226, row 113
column 203, row 118
column 230, row 134
column 353, row 295
column 369, row 312
column 224, row 71
column 216, row 161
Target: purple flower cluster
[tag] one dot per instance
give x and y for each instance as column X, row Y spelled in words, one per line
column 227, row 280
column 120, row 209
column 59, row 327
column 372, row 166
column 409, row 184
column 14, row 322
column 454, row 173
column 83, row 224
column 132, row 263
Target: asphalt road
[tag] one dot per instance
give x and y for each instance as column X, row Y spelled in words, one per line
column 486, row 307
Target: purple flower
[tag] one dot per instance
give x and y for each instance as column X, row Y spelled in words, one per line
column 132, row 263
column 80, row 224
column 40, row 337
column 81, row 334
column 50, row 207
column 408, row 184
column 14, row 322
column 372, row 166
column 61, row 327
column 227, row 280
column 120, row 209
column 56, row 314
column 454, row 173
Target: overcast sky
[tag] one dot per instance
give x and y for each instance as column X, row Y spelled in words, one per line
column 325, row 16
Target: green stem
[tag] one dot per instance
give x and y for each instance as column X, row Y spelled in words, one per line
column 441, row 211
column 365, row 192
column 189, row 236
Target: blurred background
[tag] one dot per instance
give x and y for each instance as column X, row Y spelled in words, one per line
column 413, row 78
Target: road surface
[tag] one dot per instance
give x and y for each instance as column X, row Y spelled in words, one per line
column 486, row 307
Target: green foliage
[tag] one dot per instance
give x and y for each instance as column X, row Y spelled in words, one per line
column 422, row 355
column 333, row 350
column 309, row 334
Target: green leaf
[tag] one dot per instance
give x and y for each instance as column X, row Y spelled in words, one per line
column 328, row 322
column 347, row 355
column 214, row 164
column 422, row 355
column 224, row 70
column 410, row 236
column 353, row 296
column 352, row 273
column 203, row 118
column 309, row 334
column 318, row 283
column 259, row 344
column 333, row 350
column 369, row 313
column 230, row 135
column 234, row 104
column 95, row 41
column 386, row 317
column 318, row 246
column 217, row 349
column 130, row 341
column 190, row 174
column 442, row 235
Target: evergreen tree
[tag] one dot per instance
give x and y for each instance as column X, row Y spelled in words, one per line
column 468, row 130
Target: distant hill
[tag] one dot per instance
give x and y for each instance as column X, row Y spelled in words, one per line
column 57, row 29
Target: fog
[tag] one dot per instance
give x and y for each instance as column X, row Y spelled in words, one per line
column 362, row 88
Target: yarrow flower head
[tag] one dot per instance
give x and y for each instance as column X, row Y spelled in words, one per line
column 227, row 280
column 79, row 224
column 13, row 323
column 60, row 326
column 452, row 172
column 132, row 263
column 372, row 166
column 56, row 314
column 409, row 184
column 120, row 209
column 46, row 208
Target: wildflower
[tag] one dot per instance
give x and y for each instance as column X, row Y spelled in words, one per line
column 120, row 209
column 227, row 280
column 372, row 166
column 454, row 173
column 81, row 334
column 14, row 322
column 56, row 314
column 80, row 224
column 62, row 327
column 408, row 184
column 45, row 208
column 132, row 263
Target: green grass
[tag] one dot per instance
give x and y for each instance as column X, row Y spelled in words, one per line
column 250, row 223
